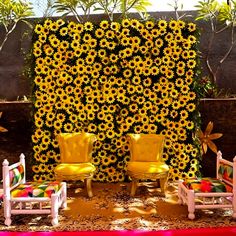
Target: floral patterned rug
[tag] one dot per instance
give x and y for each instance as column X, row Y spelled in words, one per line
column 112, row 208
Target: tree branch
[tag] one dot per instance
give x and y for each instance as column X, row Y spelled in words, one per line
column 229, row 50
column 78, row 18
column 8, row 32
column 213, row 75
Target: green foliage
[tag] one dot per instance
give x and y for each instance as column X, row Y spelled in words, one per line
column 11, row 12
column 71, row 7
column 205, row 88
column 212, row 10
column 222, row 18
column 105, row 6
column 227, row 13
column 207, row 9
column 178, row 7
column 138, row 5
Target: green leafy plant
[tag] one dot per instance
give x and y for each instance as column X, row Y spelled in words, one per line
column 138, row 5
column 72, row 6
column 108, row 7
column 178, row 7
column 222, row 18
column 11, row 12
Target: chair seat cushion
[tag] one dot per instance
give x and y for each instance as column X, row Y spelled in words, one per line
column 207, row 185
column 36, row 189
column 74, row 169
column 136, row 168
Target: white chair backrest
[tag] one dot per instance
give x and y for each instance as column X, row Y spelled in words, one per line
column 13, row 175
column 226, row 170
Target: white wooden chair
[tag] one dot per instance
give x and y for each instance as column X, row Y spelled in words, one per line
column 210, row 193
column 20, row 197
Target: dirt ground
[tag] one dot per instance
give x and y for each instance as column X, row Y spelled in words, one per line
column 112, row 208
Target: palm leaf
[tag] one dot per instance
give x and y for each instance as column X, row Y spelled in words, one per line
column 209, row 128
column 215, row 136
column 212, row 146
column 200, row 134
column 204, row 147
column 2, row 129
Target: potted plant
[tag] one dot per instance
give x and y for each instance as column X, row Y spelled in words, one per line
column 221, row 18
column 108, row 7
column 11, row 14
column 217, row 56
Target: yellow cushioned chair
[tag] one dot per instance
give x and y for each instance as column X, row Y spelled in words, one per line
column 76, row 150
column 146, row 159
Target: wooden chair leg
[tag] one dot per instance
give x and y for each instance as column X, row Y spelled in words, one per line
column 134, row 187
column 163, row 182
column 89, row 187
column 180, row 200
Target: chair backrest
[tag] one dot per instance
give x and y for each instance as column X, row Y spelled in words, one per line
column 146, row 147
column 13, row 175
column 226, row 170
column 76, row 147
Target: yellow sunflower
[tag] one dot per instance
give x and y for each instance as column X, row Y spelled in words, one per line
column 88, row 26
column 149, row 24
column 125, row 23
column 115, row 26
column 162, row 24
column 159, row 42
column 173, row 24
column 104, row 24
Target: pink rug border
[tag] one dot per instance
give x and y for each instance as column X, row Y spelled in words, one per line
column 176, row 232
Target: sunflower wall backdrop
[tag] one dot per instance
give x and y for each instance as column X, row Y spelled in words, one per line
column 112, row 79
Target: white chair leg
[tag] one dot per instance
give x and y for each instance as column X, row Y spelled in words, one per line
column 134, row 187
column 7, row 221
column 64, row 195
column 54, row 209
column 7, row 211
column 89, row 187
column 234, row 206
column 191, row 205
